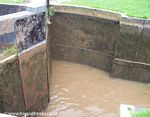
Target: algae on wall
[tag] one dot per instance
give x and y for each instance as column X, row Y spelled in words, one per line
column 11, row 86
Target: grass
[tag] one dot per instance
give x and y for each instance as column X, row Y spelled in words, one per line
column 11, row 1
column 134, row 8
column 140, row 114
column 11, row 51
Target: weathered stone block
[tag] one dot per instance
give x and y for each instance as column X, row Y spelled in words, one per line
column 82, row 56
column 84, row 32
column 131, row 70
column 127, row 45
column 143, row 54
column 11, row 86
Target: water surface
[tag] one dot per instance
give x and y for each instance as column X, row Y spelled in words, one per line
column 82, row 91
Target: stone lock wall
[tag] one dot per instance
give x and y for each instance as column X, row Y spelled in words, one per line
column 98, row 38
column 84, row 39
column 24, row 85
column 12, row 99
column 132, row 50
column 103, row 39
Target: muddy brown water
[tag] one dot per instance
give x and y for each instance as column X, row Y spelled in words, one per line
column 82, row 91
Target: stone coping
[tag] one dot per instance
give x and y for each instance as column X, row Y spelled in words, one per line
column 16, row 16
column 12, row 57
column 82, row 10
column 101, row 13
column 29, row 9
column 8, row 59
column 87, row 11
column 32, row 47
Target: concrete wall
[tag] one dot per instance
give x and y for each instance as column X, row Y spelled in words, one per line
column 103, row 39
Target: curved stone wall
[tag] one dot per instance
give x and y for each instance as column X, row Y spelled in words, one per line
column 103, row 39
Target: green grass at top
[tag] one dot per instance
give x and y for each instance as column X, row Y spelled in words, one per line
column 134, row 8
column 11, row 1
column 140, row 114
